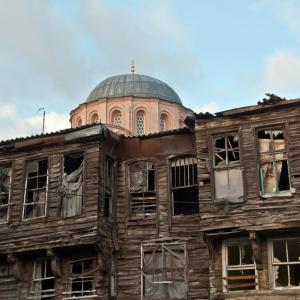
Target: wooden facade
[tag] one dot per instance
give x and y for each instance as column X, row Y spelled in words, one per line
column 209, row 212
column 253, row 231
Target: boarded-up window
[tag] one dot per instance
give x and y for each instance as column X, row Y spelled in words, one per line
column 35, row 196
column 228, row 175
column 184, row 190
column 42, row 284
column 81, row 282
column 71, row 186
column 286, row 263
column 109, row 187
column 273, row 163
column 239, row 269
column 164, row 270
column 5, row 192
column 142, row 189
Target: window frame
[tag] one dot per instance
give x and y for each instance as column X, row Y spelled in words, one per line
column 272, row 264
column 162, row 244
column 215, row 134
column 143, row 193
column 136, row 122
column 37, row 160
column 240, row 267
column 62, row 165
column 171, row 188
column 44, row 277
column 109, row 190
column 68, row 294
column 274, row 126
column 114, row 113
column 9, row 203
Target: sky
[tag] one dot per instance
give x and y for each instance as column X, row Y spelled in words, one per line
column 216, row 54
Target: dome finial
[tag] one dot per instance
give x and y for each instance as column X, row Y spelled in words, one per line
column 132, row 67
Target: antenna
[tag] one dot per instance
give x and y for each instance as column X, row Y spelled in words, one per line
column 132, row 67
column 44, row 115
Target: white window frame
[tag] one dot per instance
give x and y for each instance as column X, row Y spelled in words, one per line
column 68, row 295
column 46, row 190
column 288, row 263
column 36, row 279
column 226, row 268
column 9, row 194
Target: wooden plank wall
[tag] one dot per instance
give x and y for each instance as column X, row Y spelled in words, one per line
column 132, row 233
column 256, row 214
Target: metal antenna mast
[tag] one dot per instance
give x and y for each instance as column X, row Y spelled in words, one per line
column 44, row 116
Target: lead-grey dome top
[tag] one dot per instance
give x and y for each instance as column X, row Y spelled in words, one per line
column 133, row 85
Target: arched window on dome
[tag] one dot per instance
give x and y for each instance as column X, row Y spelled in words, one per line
column 79, row 122
column 94, row 118
column 116, row 118
column 163, row 122
column 140, row 123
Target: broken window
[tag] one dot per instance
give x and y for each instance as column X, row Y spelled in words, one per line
column 8, row 283
column 239, row 269
column 109, row 186
column 184, row 189
column 228, row 175
column 164, row 270
column 5, row 192
column 273, row 162
column 42, row 284
column 81, row 280
column 71, row 186
column 142, row 189
column 36, row 183
column 286, row 262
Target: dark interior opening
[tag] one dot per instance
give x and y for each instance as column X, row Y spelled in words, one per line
column 185, row 201
column 284, row 180
column 72, row 162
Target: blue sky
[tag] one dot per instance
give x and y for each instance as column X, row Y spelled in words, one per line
column 217, row 55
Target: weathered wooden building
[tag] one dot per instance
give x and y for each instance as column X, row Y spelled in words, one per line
column 249, row 195
column 88, row 214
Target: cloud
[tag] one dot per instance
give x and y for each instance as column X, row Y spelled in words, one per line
column 282, row 73
column 15, row 127
column 211, row 107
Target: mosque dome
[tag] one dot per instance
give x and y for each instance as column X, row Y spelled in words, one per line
column 141, row 86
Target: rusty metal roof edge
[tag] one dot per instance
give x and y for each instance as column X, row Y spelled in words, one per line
column 103, row 132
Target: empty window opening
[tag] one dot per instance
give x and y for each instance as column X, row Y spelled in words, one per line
column 140, row 123
column 5, row 192
column 184, row 186
column 109, row 186
column 36, row 183
column 239, row 269
column 164, row 270
column 228, row 177
column 43, row 280
column 81, row 282
column 286, row 263
column 71, row 186
column 273, row 162
column 142, row 189
column 163, row 122
column 117, row 118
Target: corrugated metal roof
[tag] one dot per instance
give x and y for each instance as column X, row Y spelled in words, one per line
column 133, row 85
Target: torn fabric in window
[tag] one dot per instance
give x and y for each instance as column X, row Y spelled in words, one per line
column 228, row 174
column 164, row 270
column 5, row 192
column 274, row 171
column 71, row 186
column 35, row 189
column 142, row 189
column 184, row 186
column 42, row 284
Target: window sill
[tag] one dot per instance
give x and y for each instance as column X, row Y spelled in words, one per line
column 278, row 195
